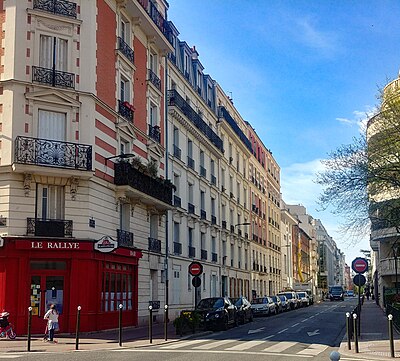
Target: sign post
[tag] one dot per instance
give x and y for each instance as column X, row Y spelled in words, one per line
column 359, row 266
column 196, row 269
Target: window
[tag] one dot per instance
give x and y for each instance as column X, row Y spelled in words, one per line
column 124, row 220
column 53, row 53
column 176, row 183
column 153, row 63
column 52, row 125
column 116, row 287
column 202, row 200
column 176, row 137
column 213, row 245
column 190, row 192
column 124, row 146
column 124, row 31
column 154, row 219
column 203, row 240
column 176, row 232
column 153, row 115
column 212, row 166
column 124, row 89
column 213, row 206
column 190, row 237
column 50, row 202
column 201, row 158
column 190, row 148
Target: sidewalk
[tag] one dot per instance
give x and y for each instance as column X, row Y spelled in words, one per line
column 132, row 337
column 374, row 340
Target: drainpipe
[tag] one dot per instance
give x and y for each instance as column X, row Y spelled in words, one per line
column 166, row 177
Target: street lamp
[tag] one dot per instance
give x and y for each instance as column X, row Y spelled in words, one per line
column 395, row 249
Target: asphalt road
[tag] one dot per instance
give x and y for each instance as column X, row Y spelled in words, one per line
column 310, row 333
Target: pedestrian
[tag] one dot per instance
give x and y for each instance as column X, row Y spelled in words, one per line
column 367, row 294
column 52, row 322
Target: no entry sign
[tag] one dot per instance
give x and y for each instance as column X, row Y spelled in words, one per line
column 195, row 268
column 359, row 265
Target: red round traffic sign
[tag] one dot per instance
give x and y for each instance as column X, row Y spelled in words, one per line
column 360, row 265
column 195, row 268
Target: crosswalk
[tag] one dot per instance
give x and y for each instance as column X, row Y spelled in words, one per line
column 264, row 347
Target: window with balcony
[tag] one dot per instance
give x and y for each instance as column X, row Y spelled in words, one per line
column 153, row 70
column 212, row 169
column 125, row 108
column 203, row 171
column 154, row 128
column 177, row 150
column 190, row 160
column 124, row 235
column 203, row 214
column 213, row 214
column 177, row 241
column 124, row 39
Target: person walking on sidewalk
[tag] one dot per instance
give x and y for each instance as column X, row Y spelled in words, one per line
column 52, row 321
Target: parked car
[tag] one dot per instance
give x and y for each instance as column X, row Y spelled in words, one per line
column 304, row 299
column 278, row 304
column 285, row 303
column 263, row 306
column 350, row 293
column 244, row 310
column 217, row 312
column 336, row 293
column 291, row 297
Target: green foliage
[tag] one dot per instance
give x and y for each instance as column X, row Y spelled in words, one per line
column 188, row 321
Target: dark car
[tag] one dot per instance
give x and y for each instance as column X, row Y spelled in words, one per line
column 217, row 312
column 336, row 293
column 278, row 303
column 285, row 303
column 244, row 311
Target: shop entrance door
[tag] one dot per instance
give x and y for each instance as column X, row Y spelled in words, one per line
column 45, row 290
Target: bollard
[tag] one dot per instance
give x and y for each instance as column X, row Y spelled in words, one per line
column 390, row 318
column 78, row 321
column 348, row 330
column 334, row 356
column 29, row 327
column 166, row 322
column 151, row 324
column 120, row 324
column 355, row 332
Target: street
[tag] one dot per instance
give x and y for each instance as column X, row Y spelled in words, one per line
column 310, row 333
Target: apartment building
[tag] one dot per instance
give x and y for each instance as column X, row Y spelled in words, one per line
column 84, row 197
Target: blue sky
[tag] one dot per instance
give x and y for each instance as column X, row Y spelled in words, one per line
column 303, row 72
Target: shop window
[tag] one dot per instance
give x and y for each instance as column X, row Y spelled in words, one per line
column 116, row 287
column 55, row 265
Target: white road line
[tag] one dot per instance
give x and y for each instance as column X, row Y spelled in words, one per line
column 279, row 347
column 212, row 344
column 314, row 349
column 304, row 320
column 285, row 329
column 311, row 317
column 296, row 324
column 176, row 345
column 268, row 337
column 245, row 345
column 9, row 356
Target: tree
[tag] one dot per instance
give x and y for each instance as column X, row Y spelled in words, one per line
column 361, row 181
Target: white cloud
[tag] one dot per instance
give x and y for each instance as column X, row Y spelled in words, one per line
column 313, row 37
column 360, row 118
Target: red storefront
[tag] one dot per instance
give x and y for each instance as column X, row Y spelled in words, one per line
column 98, row 276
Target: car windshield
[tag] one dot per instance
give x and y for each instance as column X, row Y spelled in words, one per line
column 302, row 294
column 283, row 298
column 259, row 300
column 336, row 290
column 274, row 298
column 288, row 295
column 236, row 301
column 211, row 303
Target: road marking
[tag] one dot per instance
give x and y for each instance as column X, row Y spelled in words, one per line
column 245, row 345
column 10, row 356
column 311, row 317
column 183, row 344
column 296, row 324
column 285, row 329
column 279, row 347
column 304, row 320
column 209, row 345
column 314, row 349
column 266, row 338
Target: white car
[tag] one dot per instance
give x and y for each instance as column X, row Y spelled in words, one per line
column 263, row 306
column 304, row 298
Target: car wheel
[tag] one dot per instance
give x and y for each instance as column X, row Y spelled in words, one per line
column 225, row 324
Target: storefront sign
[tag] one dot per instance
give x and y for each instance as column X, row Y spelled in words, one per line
column 106, row 244
column 53, row 245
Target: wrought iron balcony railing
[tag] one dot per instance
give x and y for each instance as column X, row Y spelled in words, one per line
column 177, row 201
column 157, row 18
column 192, row 252
column 155, row 133
column 58, row 7
column 126, row 174
column 213, row 179
column 204, row 254
column 191, row 208
column 177, row 248
column 203, row 214
column 124, row 238
column 154, row 245
column 213, row 220
column 52, row 153
column 154, row 79
column 224, row 224
column 203, row 171
column 175, row 99
column 214, row 257
column 49, row 227
column 53, row 77
column 126, row 110
column 223, row 113
column 177, row 152
column 125, row 49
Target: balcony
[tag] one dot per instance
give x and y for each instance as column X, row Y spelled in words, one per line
column 177, row 201
column 125, row 110
column 204, row 254
column 155, row 133
column 52, row 153
column 174, row 99
column 223, row 113
column 224, row 224
column 214, row 257
column 58, row 7
column 154, row 79
column 203, row 214
column 191, row 208
column 213, row 179
column 177, row 248
column 52, row 77
column 154, row 191
column 387, row 267
column 203, row 171
column 49, row 227
column 192, row 252
column 124, row 238
column 213, row 220
column 190, row 162
column 177, row 152
column 154, row 245
column 126, row 50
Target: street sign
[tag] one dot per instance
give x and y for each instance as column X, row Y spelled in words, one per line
column 359, row 265
column 196, row 281
column 359, row 280
column 195, row 268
